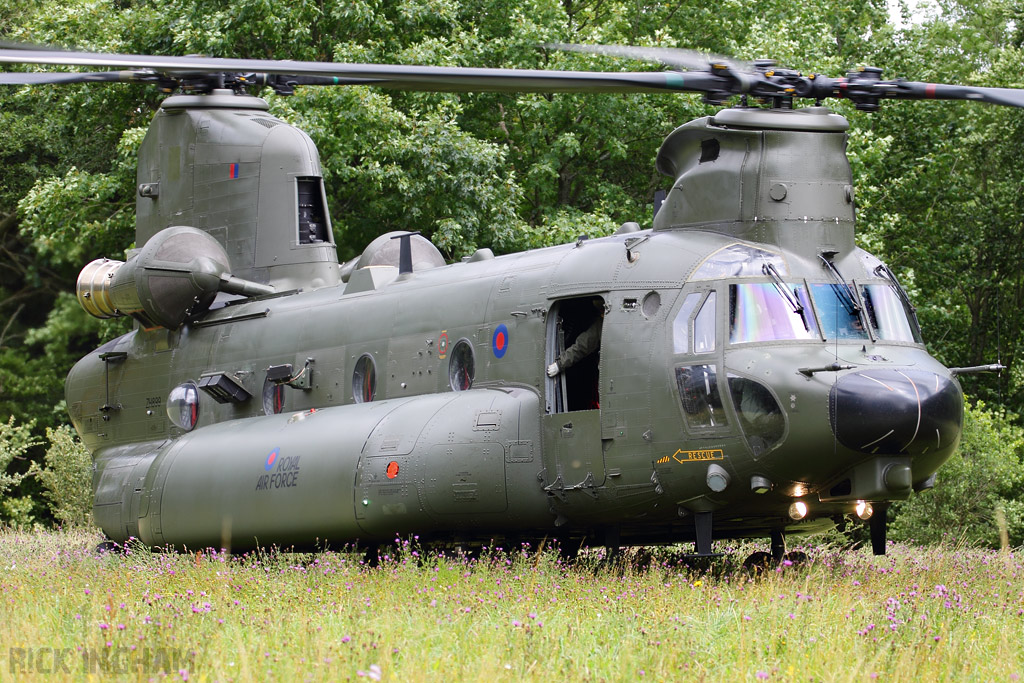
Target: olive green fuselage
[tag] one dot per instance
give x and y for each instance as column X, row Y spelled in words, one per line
column 751, row 358
column 471, row 464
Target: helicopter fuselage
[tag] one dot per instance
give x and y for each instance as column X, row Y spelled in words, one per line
column 757, row 373
column 668, row 435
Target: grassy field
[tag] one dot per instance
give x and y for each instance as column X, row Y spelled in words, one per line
column 916, row 614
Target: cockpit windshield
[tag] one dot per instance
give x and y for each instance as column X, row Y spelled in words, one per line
column 840, row 315
column 888, row 314
column 759, row 312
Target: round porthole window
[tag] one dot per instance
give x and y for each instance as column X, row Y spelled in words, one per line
column 461, row 367
column 183, row 405
column 364, row 379
column 273, row 397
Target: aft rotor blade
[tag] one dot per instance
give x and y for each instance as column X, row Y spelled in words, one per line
column 404, row 77
column 866, row 87
column 677, row 58
column 40, row 78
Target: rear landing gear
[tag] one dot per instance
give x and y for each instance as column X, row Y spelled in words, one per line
column 107, row 547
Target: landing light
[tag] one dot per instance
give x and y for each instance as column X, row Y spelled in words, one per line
column 864, row 510
column 798, row 510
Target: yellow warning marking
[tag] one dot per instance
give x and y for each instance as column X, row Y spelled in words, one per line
column 663, row 460
column 698, row 456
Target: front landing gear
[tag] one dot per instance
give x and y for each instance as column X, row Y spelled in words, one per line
column 879, row 524
column 760, row 561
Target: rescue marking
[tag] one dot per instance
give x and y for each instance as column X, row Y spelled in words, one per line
column 442, row 345
column 698, row 456
column 500, row 341
column 664, row 460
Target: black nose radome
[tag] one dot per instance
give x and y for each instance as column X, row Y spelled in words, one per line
column 896, row 412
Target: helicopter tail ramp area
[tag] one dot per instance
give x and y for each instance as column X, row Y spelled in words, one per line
column 345, row 474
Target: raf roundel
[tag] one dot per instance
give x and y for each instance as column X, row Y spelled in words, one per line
column 500, row 341
column 271, row 459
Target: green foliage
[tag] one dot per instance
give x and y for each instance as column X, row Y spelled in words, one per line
column 67, row 477
column 944, row 202
column 985, row 475
column 15, row 441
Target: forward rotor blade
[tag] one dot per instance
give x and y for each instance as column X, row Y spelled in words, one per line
column 396, row 76
column 910, row 90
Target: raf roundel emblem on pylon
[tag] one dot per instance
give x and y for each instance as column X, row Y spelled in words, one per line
column 500, row 341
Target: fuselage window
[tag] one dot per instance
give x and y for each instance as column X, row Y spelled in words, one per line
column 681, row 325
column 364, row 379
column 759, row 312
column 698, row 391
column 183, row 405
column 888, row 315
column 839, row 312
column 704, row 337
column 462, row 366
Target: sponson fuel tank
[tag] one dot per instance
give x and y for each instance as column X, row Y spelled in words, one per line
column 362, row 471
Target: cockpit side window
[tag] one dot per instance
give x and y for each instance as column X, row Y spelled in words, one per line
column 759, row 414
column 704, row 336
column 681, row 325
column 888, row 315
column 700, row 396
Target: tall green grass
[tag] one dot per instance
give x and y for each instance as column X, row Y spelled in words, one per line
column 915, row 614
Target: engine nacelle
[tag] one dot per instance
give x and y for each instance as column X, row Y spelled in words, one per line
column 174, row 276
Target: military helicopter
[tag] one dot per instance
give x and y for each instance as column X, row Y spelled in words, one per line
column 739, row 370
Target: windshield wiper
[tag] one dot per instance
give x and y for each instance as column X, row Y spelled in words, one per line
column 843, row 290
column 770, row 271
column 882, row 271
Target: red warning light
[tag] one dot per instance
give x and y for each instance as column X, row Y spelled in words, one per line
column 392, row 470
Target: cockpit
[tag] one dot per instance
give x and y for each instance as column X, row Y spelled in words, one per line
column 767, row 305
column 786, row 309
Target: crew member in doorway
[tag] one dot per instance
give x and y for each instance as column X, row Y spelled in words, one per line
column 586, row 343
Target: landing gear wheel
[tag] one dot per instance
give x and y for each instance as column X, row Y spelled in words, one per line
column 758, row 563
column 107, row 547
column 796, row 557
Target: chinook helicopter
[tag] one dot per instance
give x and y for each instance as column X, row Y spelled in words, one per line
column 741, row 369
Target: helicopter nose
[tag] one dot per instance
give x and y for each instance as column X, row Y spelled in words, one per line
column 896, row 412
